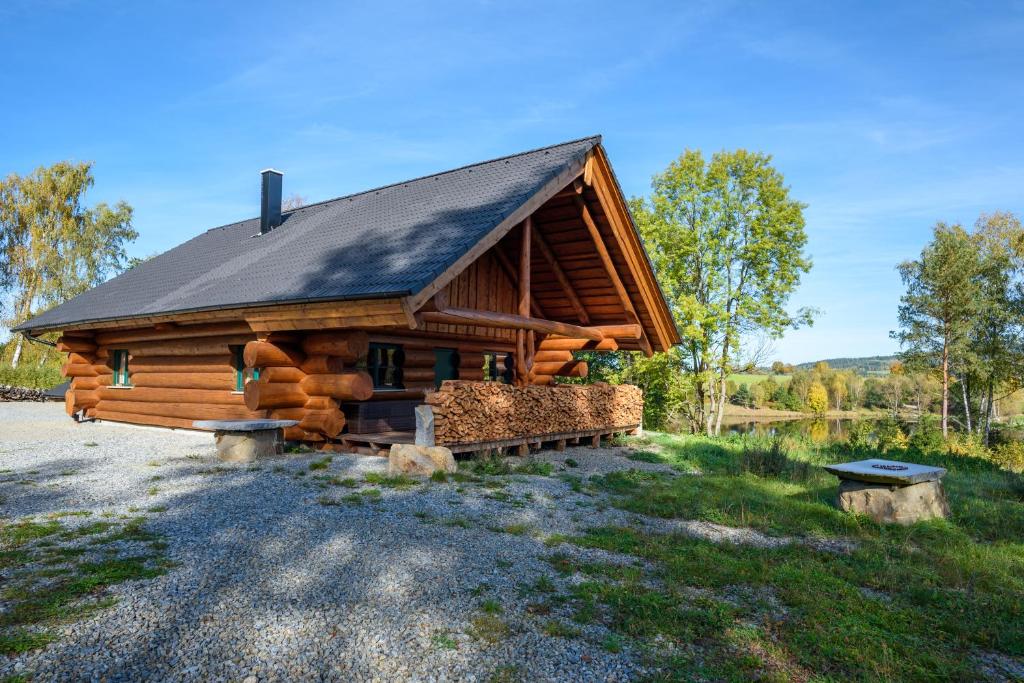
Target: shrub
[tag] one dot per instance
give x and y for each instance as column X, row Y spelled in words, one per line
column 1009, row 456
column 927, row 436
column 772, row 460
column 891, row 436
column 860, row 434
column 967, row 445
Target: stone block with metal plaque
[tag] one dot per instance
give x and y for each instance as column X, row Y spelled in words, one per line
column 890, row 491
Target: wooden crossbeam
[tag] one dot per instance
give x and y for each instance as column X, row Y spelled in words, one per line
column 609, row 265
column 508, row 321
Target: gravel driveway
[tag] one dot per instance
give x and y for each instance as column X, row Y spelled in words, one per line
column 282, row 572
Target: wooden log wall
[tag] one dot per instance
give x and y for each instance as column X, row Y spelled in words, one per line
column 469, row 412
column 306, row 378
column 187, row 372
column 177, row 374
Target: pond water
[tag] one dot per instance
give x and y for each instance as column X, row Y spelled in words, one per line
column 816, row 429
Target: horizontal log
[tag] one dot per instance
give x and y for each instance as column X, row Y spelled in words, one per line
column 428, row 341
column 79, row 359
column 170, row 395
column 419, row 358
column 205, row 346
column 469, row 316
column 70, row 407
column 327, row 422
column 574, row 368
column 475, row 374
column 221, row 381
column 85, row 399
column 190, row 411
column 261, row 354
column 322, row 365
column 346, row 386
column 79, row 370
column 546, row 356
column 261, row 396
column 274, row 375
column 471, row 359
column 417, row 375
column 621, row 331
column 85, row 383
column 114, row 337
column 138, row 419
column 75, row 345
column 320, row 403
column 575, row 344
column 348, row 345
column 212, row 363
column 299, row 434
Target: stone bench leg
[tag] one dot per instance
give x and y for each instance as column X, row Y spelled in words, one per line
column 248, row 446
column 887, row 503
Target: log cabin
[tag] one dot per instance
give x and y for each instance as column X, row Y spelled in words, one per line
column 467, row 291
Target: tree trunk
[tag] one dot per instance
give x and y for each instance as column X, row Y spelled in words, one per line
column 967, row 405
column 988, row 413
column 17, row 351
column 945, row 390
column 722, row 398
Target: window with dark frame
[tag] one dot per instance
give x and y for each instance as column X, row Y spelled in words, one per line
column 384, row 363
column 120, row 362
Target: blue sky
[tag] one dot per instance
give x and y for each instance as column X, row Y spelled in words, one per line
column 884, row 117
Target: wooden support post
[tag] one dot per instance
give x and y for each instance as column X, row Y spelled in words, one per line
column 609, row 265
column 560, row 445
column 524, row 351
column 513, row 279
column 523, row 449
column 595, row 441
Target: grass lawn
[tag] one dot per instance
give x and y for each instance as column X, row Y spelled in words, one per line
column 747, row 378
column 905, row 603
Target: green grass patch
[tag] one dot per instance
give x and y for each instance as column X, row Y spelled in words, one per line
column 396, row 481
column 907, row 603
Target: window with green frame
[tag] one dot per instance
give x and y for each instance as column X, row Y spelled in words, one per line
column 241, row 374
column 384, row 364
column 120, row 362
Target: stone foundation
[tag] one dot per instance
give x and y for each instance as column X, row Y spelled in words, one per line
column 888, row 503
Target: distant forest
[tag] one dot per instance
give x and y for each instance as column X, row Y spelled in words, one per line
column 868, row 365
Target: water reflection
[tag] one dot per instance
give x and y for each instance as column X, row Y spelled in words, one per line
column 818, row 430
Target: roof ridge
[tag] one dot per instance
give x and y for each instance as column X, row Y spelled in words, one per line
column 597, row 138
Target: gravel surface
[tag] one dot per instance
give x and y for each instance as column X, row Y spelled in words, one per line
column 281, row 576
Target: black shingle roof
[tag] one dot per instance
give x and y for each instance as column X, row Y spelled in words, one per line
column 391, row 241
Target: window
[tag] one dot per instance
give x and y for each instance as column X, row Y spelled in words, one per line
column 120, row 360
column 384, row 363
column 446, row 365
column 498, row 367
column 242, row 374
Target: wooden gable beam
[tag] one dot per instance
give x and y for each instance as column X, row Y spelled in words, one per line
column 609, row 266
column 597, row 174
column 563, row 279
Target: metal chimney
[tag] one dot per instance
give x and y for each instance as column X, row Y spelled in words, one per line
column 270, row 204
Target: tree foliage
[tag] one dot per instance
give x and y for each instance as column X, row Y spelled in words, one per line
column 55, row 247
column 726, row 241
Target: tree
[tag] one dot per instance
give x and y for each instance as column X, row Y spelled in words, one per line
column 936, row 311
column 778, row 368
column 997, row 346
column 837, row 389
column 726, row 241
column 294, row 201
column 55, row 247
column 817, row 398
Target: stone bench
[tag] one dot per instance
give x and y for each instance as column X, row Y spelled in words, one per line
column 891, row 491
column 246, row 440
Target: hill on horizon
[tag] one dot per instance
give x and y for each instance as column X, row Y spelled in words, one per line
column 866, row 365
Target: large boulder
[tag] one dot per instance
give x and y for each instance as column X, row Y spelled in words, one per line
column 887, row 503
column 406, row 458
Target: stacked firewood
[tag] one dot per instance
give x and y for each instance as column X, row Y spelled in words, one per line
column 12, row 393
column 468, row 412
